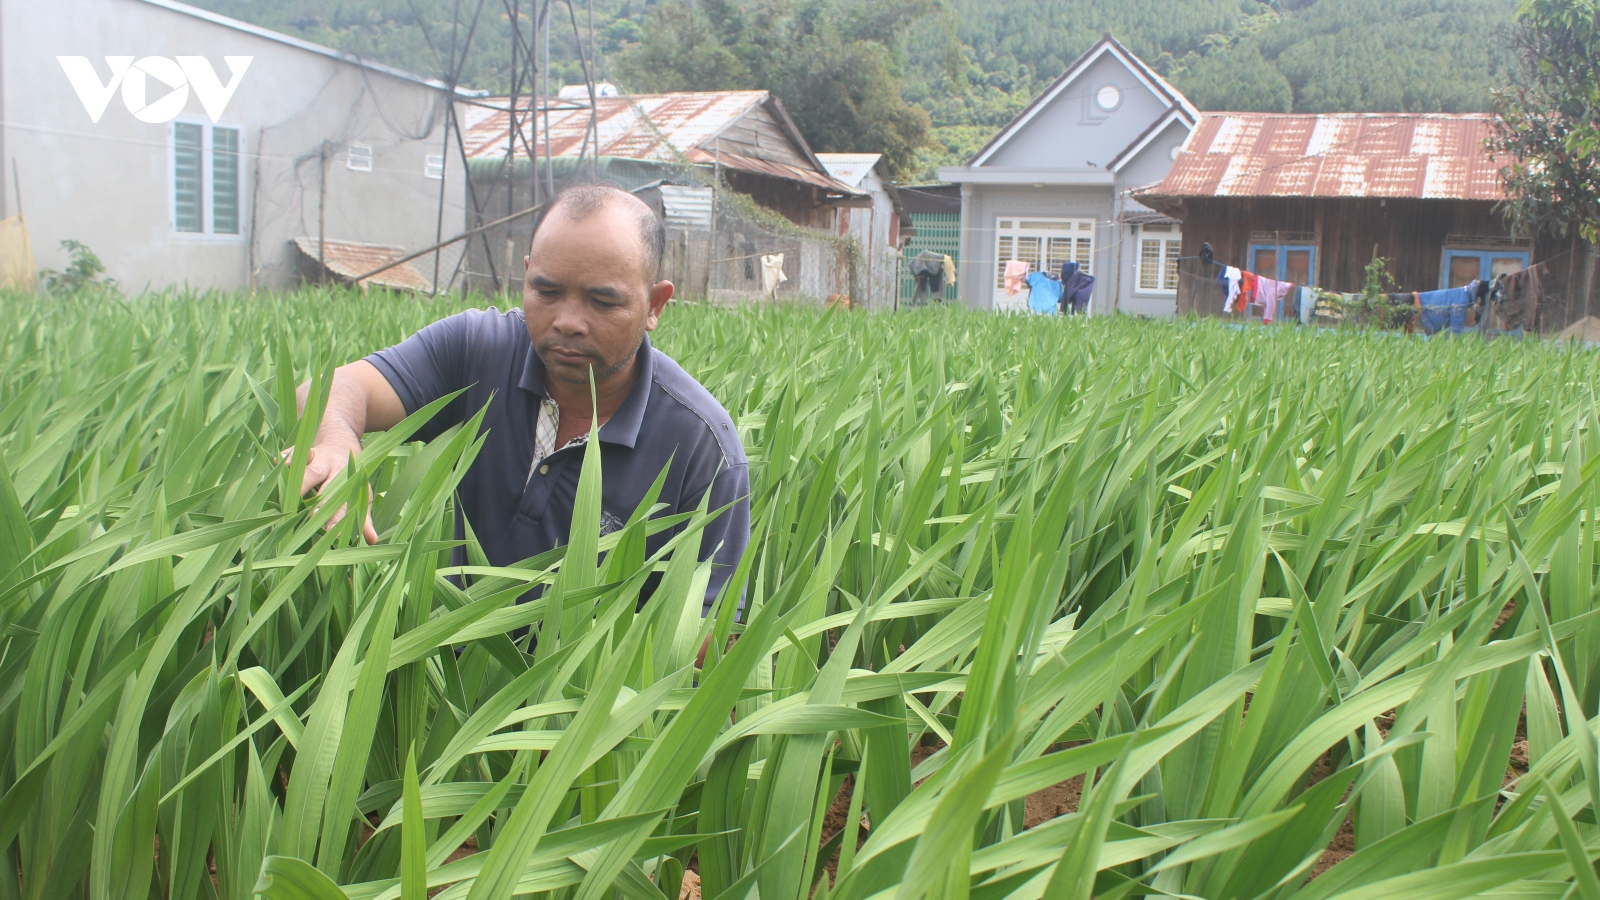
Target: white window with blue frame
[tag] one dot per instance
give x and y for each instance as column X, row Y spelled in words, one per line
column 206, row 178
column 1294, row 261
column 1484, row 262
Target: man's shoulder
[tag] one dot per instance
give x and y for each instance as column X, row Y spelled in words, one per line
column 487, row 327
column 691, row 398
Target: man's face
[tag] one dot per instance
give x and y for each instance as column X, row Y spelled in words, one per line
column 587, row 298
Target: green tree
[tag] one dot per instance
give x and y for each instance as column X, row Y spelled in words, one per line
column 1548, row 128
column 837, row 65
column 1240, row 79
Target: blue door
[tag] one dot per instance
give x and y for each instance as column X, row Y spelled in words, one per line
column 1462, row 266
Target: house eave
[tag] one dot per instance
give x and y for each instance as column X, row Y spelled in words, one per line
column 998, row 175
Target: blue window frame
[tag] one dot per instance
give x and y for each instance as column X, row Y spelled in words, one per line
column 1296, row 263
column 1461, row 266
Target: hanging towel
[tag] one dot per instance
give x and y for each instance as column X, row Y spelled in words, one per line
column 1016, row 276
column 949, row 269
column 1230, row 278
column 772, row 275
column 1308, row 305
column 1044, row 293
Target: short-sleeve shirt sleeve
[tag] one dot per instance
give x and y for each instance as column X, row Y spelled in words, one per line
column 439, row 360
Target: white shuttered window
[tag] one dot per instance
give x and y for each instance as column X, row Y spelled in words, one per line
column 205, row 178
column 1159, row 248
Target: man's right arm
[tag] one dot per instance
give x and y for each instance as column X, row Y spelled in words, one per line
column 375, row 394
column 360, row 400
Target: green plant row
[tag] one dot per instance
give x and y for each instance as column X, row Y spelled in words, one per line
column 1257, row 591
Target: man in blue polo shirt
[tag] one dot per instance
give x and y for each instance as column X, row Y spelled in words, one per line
column 589, row 300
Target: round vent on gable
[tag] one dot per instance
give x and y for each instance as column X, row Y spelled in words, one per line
column 1108, row 97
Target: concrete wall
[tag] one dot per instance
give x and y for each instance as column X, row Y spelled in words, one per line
column 109, row 184
column 1072, row 130
column 983, row 205
column 1148, row 166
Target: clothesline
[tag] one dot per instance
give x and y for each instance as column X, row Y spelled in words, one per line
column 1242, row 289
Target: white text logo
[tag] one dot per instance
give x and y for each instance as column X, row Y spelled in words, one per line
column 175, row 77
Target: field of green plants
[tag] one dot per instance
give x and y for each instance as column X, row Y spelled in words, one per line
column 1248, row 593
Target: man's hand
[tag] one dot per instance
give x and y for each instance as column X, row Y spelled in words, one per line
column 322, row 464
column 359, row 400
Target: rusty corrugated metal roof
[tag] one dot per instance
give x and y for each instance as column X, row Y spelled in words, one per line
column 349, row 259
column 770, row 168
column 676, row 122
column 1421, row 155
column 647, row 127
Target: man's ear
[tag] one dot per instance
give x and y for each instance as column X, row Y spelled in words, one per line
column 660, row 293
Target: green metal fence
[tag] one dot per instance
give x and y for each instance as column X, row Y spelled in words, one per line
column 939, row 232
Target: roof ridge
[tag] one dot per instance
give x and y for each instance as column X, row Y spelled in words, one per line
column 216, row 18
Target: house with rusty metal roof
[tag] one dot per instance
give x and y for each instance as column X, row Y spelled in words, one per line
column 1053, row 187
column 1311, row 199
column 746, row 136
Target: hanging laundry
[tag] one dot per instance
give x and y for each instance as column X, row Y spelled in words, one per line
column 1445, row 308
column 1044, row 293
column 1016, row 276
column 1230, row 277
column 1076, row 290
column 1270, row 293
column 1308, row 304
column 927, row 268
column 1332, row 306
column 1247, row 291
column 772, row 275
column 949, row 269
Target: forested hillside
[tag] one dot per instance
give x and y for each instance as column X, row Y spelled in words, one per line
column 928, row 81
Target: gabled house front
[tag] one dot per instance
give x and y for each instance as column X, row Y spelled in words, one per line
column 1055, row 186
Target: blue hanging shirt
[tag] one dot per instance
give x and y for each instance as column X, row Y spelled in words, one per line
column 1044, row 293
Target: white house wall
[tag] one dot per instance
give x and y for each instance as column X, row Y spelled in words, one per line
column 109, row 184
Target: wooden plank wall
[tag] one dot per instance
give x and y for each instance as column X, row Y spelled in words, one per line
column 757, row 134
column 800, row 203
column 1409, row 233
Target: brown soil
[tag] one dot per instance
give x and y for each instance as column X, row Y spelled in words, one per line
column 1344, row 844
column 691, row 886
column 469, row 847
column 1055, row 800
column 1510, row 607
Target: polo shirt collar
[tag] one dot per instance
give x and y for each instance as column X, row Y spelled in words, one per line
column 623, row 426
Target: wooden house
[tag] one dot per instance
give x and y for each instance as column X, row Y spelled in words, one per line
column 1312, row 199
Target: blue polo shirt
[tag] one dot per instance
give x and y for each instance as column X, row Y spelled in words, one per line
column 667, row 420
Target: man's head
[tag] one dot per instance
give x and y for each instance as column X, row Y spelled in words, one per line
column 591, row 291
